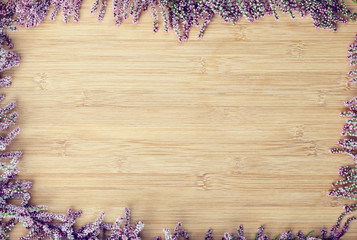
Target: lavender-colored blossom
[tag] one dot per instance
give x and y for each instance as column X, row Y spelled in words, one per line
column 336, row 231
column 5, row 40
column 31, row 13
column 68, row 7
column 352, row 53
column 181, row 15
column 177, row 234
column 347, row 187
column 8, row 59
column 102, row 5
column 7, row 20
column 7, row 117
column 6, row 140
column 5, row 81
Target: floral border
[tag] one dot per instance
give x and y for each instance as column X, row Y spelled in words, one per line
column 180, row 16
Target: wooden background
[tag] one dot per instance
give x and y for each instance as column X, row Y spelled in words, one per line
column 231, row 129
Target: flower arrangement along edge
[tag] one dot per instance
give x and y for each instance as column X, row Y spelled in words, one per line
column 180, row 16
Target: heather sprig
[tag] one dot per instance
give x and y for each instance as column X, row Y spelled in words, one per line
column 31, row 13
column 8, row 59
column 176, row 235
column 7, row 118
column 7, row 20
column 102, row 4
column 348, row 186
column 336, row 231
column 68, row 7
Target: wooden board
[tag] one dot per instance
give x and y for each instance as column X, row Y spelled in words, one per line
column 231, row 129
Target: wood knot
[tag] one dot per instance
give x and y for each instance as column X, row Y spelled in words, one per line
column 311, row 149
column 86, row 98
column 203, row 65
column 239, row 33
column 299, row 131
column 322, row 97
column 345, row 82
column 117, row 163
column 41, row 79
column 296, row 49
column 237, row 166
column 203, row 181
column 60, row 147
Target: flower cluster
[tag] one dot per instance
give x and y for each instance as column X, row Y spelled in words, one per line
column 176, row 235
column 31, row 13
column 68, row 7
column 42, row 224
column 336, row 231
column 347, row 187
column 180, row 15
column 7, row 19
column 8, row 59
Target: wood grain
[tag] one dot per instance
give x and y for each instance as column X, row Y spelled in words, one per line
column 231, row 129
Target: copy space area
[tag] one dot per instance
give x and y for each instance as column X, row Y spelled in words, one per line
column 231, row 129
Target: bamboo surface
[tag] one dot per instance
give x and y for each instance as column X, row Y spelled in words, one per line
column 231, row 129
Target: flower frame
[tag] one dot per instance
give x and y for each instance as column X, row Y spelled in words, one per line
column 41, row 223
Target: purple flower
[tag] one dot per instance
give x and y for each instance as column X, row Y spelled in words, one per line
column 347, row 187
column 31, row 13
